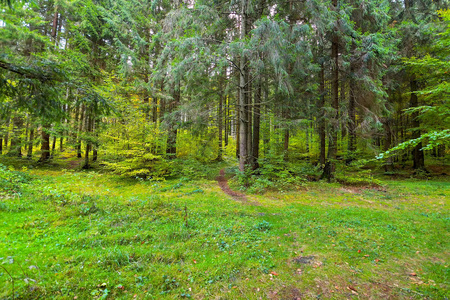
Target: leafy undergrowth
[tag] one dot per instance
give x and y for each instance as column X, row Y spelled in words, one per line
column 87, row 235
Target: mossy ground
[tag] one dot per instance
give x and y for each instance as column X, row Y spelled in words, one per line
column 72, row 234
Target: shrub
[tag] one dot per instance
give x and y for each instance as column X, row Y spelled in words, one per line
column 11, row 181
column 138, row 164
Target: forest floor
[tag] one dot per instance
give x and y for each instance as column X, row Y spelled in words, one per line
column 73, row 234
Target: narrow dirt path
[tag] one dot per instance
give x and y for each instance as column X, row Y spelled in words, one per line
column 223, row 183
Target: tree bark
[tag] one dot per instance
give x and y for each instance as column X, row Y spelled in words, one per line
column 53, row 146
column 256, row 123
column 30, row 143
column 171, row 148
column 95, row 145
column 418, row 155
column 237, row 125
column 330, row 165
column 45, row 143
column 387, row 124
column 243, row 94
column 220, row 124
column 16, row 141
column 80, row 129
column 322, row 136
column 352, row 118
column 88, row 122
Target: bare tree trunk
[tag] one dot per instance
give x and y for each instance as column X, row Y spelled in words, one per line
column 387, row 124
column 266, row 139
column 6, row 137
column 30, row 143
column 226, row 121
column 55, row 22
column 80, row 129
column 45, row 143
column 95, row 146
column 16, row 141
column 243, row 95
column 53, row 146
column 418, row 155
column 352, row 118
column 256, row 123
column 171, row 148
column 220, row 128
column 322, row 117
column 286, row 144
column 237, row 122
column 249, row 119
column 88, row 122
column 220, row 120
column 330, row 166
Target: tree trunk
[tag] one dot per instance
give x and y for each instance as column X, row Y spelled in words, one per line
column 88, row 122
column 226, row 121
column 55, row 23
column 243, row 94
column 53, row 146
column 322, row 117
column 45, row 143
column 6, row 136
column 237, row 122
column 387, row 142
column 80, row 129
column 171, row 148
column 249, row 109
column 30, row 143
column 418, row 155
column 220, row 121
column 266, row 139
column 95, row 146
column 256, row 123
column 330, row 166
column 16, row 141
column 286, row 144
column 352, row 118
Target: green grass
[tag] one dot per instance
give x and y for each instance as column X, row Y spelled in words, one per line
column 91, row 235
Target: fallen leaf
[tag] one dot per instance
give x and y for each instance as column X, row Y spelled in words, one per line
column 274, row 273
column 351, row 288
column 412, row 274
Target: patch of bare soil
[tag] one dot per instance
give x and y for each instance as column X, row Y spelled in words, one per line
column 223, row 183
column 73, row 164
column 359, row 189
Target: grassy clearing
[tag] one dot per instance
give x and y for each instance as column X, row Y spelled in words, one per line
column 89, row 235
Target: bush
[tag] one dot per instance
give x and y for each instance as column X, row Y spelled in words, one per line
column 138, row 164
column 192, row 168
column 11, row 181
column 276, row 174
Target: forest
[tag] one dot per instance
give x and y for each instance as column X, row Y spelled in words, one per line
column 224, row 149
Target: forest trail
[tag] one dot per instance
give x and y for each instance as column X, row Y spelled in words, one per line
column 223, row 183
